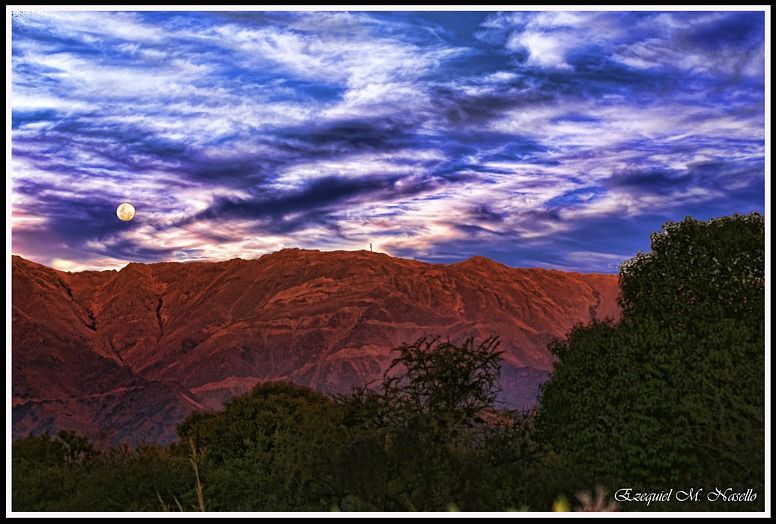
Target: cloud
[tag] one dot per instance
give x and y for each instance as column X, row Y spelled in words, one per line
column 723, row 43
column 554, row 139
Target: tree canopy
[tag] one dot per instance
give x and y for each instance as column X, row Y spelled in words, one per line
column 673, row 394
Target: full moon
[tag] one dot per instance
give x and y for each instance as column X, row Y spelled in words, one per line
column 125, row 211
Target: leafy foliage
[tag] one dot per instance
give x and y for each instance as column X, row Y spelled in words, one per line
column 47, row 477
column 698, row 272
column 428, row 438
column 441, row 384
column 428, row 415
column 271, row 449
column 672, row 395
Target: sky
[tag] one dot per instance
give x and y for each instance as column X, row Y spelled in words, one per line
column 538, row 139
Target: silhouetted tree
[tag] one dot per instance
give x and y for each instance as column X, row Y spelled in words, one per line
column 442, row 382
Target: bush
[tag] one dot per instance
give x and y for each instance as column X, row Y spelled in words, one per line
column 272, row 449
column 67, row 474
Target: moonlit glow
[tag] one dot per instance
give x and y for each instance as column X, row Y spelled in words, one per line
column 125, row 212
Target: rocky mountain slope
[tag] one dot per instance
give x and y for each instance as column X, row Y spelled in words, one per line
column 125, row 355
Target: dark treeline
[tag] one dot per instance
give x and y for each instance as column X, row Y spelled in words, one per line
column 669, row 397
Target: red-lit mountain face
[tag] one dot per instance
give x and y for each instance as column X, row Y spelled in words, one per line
column 125, row 356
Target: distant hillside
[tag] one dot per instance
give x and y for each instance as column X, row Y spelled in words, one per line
column 126, row 355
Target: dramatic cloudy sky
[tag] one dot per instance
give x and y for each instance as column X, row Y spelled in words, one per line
column 548, row 139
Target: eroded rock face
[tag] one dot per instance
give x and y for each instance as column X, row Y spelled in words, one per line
column 125, row 356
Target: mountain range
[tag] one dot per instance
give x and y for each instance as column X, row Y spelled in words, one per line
column 124, row 356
